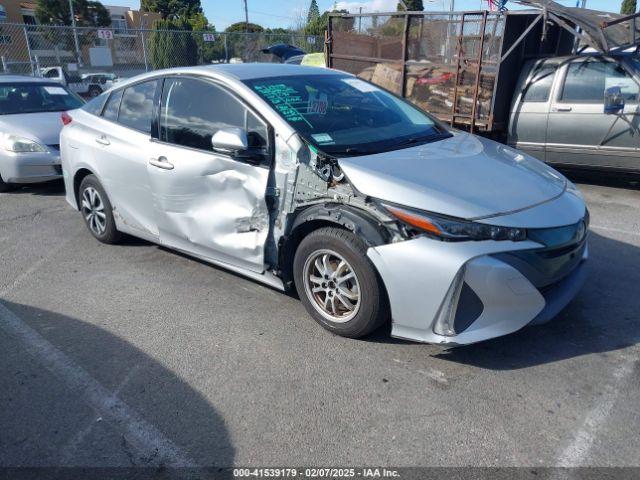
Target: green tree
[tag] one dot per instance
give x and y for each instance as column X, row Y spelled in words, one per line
column 244, row 46
column 278, row 31
column 412, row 6
column 172, row 8
column 199, row 23
column 88, row 13
column 174, row 47
column 628, row 7
column 318, row 26
column 240, row 27
column 314, row 12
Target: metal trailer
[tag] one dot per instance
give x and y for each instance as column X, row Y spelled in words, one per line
column 463, row 67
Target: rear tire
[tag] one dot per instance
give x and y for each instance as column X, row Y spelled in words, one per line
column 97, row 211
column 338, row 284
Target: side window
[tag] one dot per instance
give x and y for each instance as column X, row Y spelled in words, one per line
column 194, row 110
column 110, row 111
column 540, row 86
column 586, row 82
column 53, row 73
column 136, row 109
column 94, row 106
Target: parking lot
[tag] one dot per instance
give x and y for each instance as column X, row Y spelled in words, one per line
column 134, row 355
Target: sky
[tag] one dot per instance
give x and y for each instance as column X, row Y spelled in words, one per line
column 287, row 13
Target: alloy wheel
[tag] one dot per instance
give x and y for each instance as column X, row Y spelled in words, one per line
column 331, row 285
column 93, row 211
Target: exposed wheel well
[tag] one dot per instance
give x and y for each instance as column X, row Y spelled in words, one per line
column 77, row 180
column 319, row 216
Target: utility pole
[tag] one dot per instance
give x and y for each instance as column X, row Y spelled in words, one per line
column 246, row 17
column 75, row 33
column 360, row 20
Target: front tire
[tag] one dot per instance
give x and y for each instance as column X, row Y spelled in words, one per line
column 97, row 211
column 338, row 284
column 4, row 187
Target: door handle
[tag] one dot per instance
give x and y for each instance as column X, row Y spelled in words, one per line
column 562, row 109
column 102, row 140
column 161, row 162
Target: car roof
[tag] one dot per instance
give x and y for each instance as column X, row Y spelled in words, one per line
column 238, row 71
column 24, row 79
column 249, row 71
column 585, row 54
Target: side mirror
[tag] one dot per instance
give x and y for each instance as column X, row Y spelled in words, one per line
column 230, row 141
column 613, row 100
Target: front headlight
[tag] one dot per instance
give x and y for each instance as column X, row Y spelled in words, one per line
column 14, row 143
column 451, row 229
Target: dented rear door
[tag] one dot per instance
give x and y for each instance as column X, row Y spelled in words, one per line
column 207, row 203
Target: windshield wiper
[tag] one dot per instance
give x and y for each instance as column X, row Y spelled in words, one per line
column 354, row 151
column 424, row 138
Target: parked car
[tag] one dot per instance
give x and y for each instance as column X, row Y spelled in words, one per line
column 86, row 87
column 283, row 51
column 312, row 178
column 562, row 113
column 106, row 80
column 30, row 129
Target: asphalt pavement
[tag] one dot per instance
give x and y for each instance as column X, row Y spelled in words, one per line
column 133, row 355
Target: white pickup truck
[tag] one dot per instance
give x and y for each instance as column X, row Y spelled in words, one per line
column 85, row 87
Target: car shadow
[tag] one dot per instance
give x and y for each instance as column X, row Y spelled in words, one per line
column 151, row 391
column 604, row 317
column 603, row 178
column 54, row 188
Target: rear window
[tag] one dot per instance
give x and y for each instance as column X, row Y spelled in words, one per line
column 539, row 88
column 36, row 97
column 136, row 108
column 113, row 105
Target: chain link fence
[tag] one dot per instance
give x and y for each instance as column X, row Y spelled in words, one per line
column 444, row 62
column 32, row 49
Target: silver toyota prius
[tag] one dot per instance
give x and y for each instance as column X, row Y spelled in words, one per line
column 316, row 180
column 30, row 129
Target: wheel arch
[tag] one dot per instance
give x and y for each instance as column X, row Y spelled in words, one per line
column 77, row 180
column 311, row 218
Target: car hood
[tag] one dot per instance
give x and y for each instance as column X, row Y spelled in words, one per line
column 43, row 127
column 462, row 176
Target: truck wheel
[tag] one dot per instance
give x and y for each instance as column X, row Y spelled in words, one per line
column 338, row 284
column 97, row 211
column 94, row 91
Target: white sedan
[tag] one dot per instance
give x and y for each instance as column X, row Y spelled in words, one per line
column 30, row 129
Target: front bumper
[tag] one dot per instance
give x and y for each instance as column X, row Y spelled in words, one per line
column 30, row 167
column 493, row 297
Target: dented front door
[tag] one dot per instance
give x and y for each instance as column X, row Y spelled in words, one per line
column 207, row 204
column 210, row 205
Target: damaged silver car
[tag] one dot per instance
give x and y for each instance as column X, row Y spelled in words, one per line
column 316, row 180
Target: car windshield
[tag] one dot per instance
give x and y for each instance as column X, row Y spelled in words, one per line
column 343, row 115
column 36, row 97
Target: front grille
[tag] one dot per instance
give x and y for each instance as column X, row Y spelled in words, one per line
column 544, row 267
